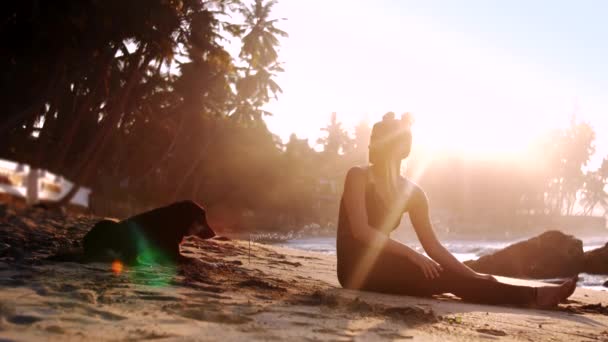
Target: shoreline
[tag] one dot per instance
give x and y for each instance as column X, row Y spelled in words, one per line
column 405, row 235
column 460, row 249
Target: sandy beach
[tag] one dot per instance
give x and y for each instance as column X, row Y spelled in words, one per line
column 236, row 291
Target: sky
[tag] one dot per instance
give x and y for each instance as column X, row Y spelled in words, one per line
column 479, row 76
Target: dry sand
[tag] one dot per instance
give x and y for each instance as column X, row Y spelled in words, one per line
column 235, row 293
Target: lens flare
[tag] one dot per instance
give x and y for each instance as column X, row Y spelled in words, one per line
column 152, row 267
column 117, row 267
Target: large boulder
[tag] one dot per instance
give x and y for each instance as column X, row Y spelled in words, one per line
column 550, row 255
column 596, row 261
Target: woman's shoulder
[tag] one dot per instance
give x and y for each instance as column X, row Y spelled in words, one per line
column 412, row 188
column 416, row 197
column 357, row 172
column 357, row 176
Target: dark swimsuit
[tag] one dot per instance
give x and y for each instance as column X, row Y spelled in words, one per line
column 363, row 267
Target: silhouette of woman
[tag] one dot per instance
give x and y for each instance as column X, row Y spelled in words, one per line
column 374, row 199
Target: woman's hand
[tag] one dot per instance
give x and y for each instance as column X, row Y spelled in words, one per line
column 430, row 268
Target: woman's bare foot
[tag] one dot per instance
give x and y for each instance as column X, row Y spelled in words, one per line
column 550, row 296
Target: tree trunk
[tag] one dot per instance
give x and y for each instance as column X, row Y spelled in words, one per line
column 69, row 136
column 186, row 176
column 99, row 142
column 590, row 209
column 194, row 164
column 159, row 161
column 11, row 120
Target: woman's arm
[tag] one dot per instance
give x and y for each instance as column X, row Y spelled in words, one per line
column 356, row 211
column 419, row 215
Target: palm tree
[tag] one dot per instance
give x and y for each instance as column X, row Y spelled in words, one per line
column 593, row 192
column 259, row 52
column 362, row 133
column 570, row 151
column 603, row 170
column 603, row 173
column 337, row 139
column 108, row 105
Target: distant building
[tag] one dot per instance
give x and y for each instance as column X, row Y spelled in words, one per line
column 35, row 185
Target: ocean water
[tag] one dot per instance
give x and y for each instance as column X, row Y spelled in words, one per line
column 462, row 250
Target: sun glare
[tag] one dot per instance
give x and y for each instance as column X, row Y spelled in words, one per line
column 468, row 96
column 465, row 138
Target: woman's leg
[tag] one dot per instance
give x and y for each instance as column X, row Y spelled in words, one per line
column 484, row 290
column 394, row 274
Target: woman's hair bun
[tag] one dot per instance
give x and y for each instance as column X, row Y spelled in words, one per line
column 407, row 119
column 387, row 135
column 388, row 116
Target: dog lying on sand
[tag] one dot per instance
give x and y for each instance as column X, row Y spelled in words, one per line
column 152, row 236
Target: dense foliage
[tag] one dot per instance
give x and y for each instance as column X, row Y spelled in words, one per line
column 141, row 98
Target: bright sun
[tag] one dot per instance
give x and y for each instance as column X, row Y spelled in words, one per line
column 466, row 96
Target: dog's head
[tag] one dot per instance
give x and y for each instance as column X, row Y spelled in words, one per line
column 198, row 217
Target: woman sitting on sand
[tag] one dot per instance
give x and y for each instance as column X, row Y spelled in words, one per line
column 375, row 197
